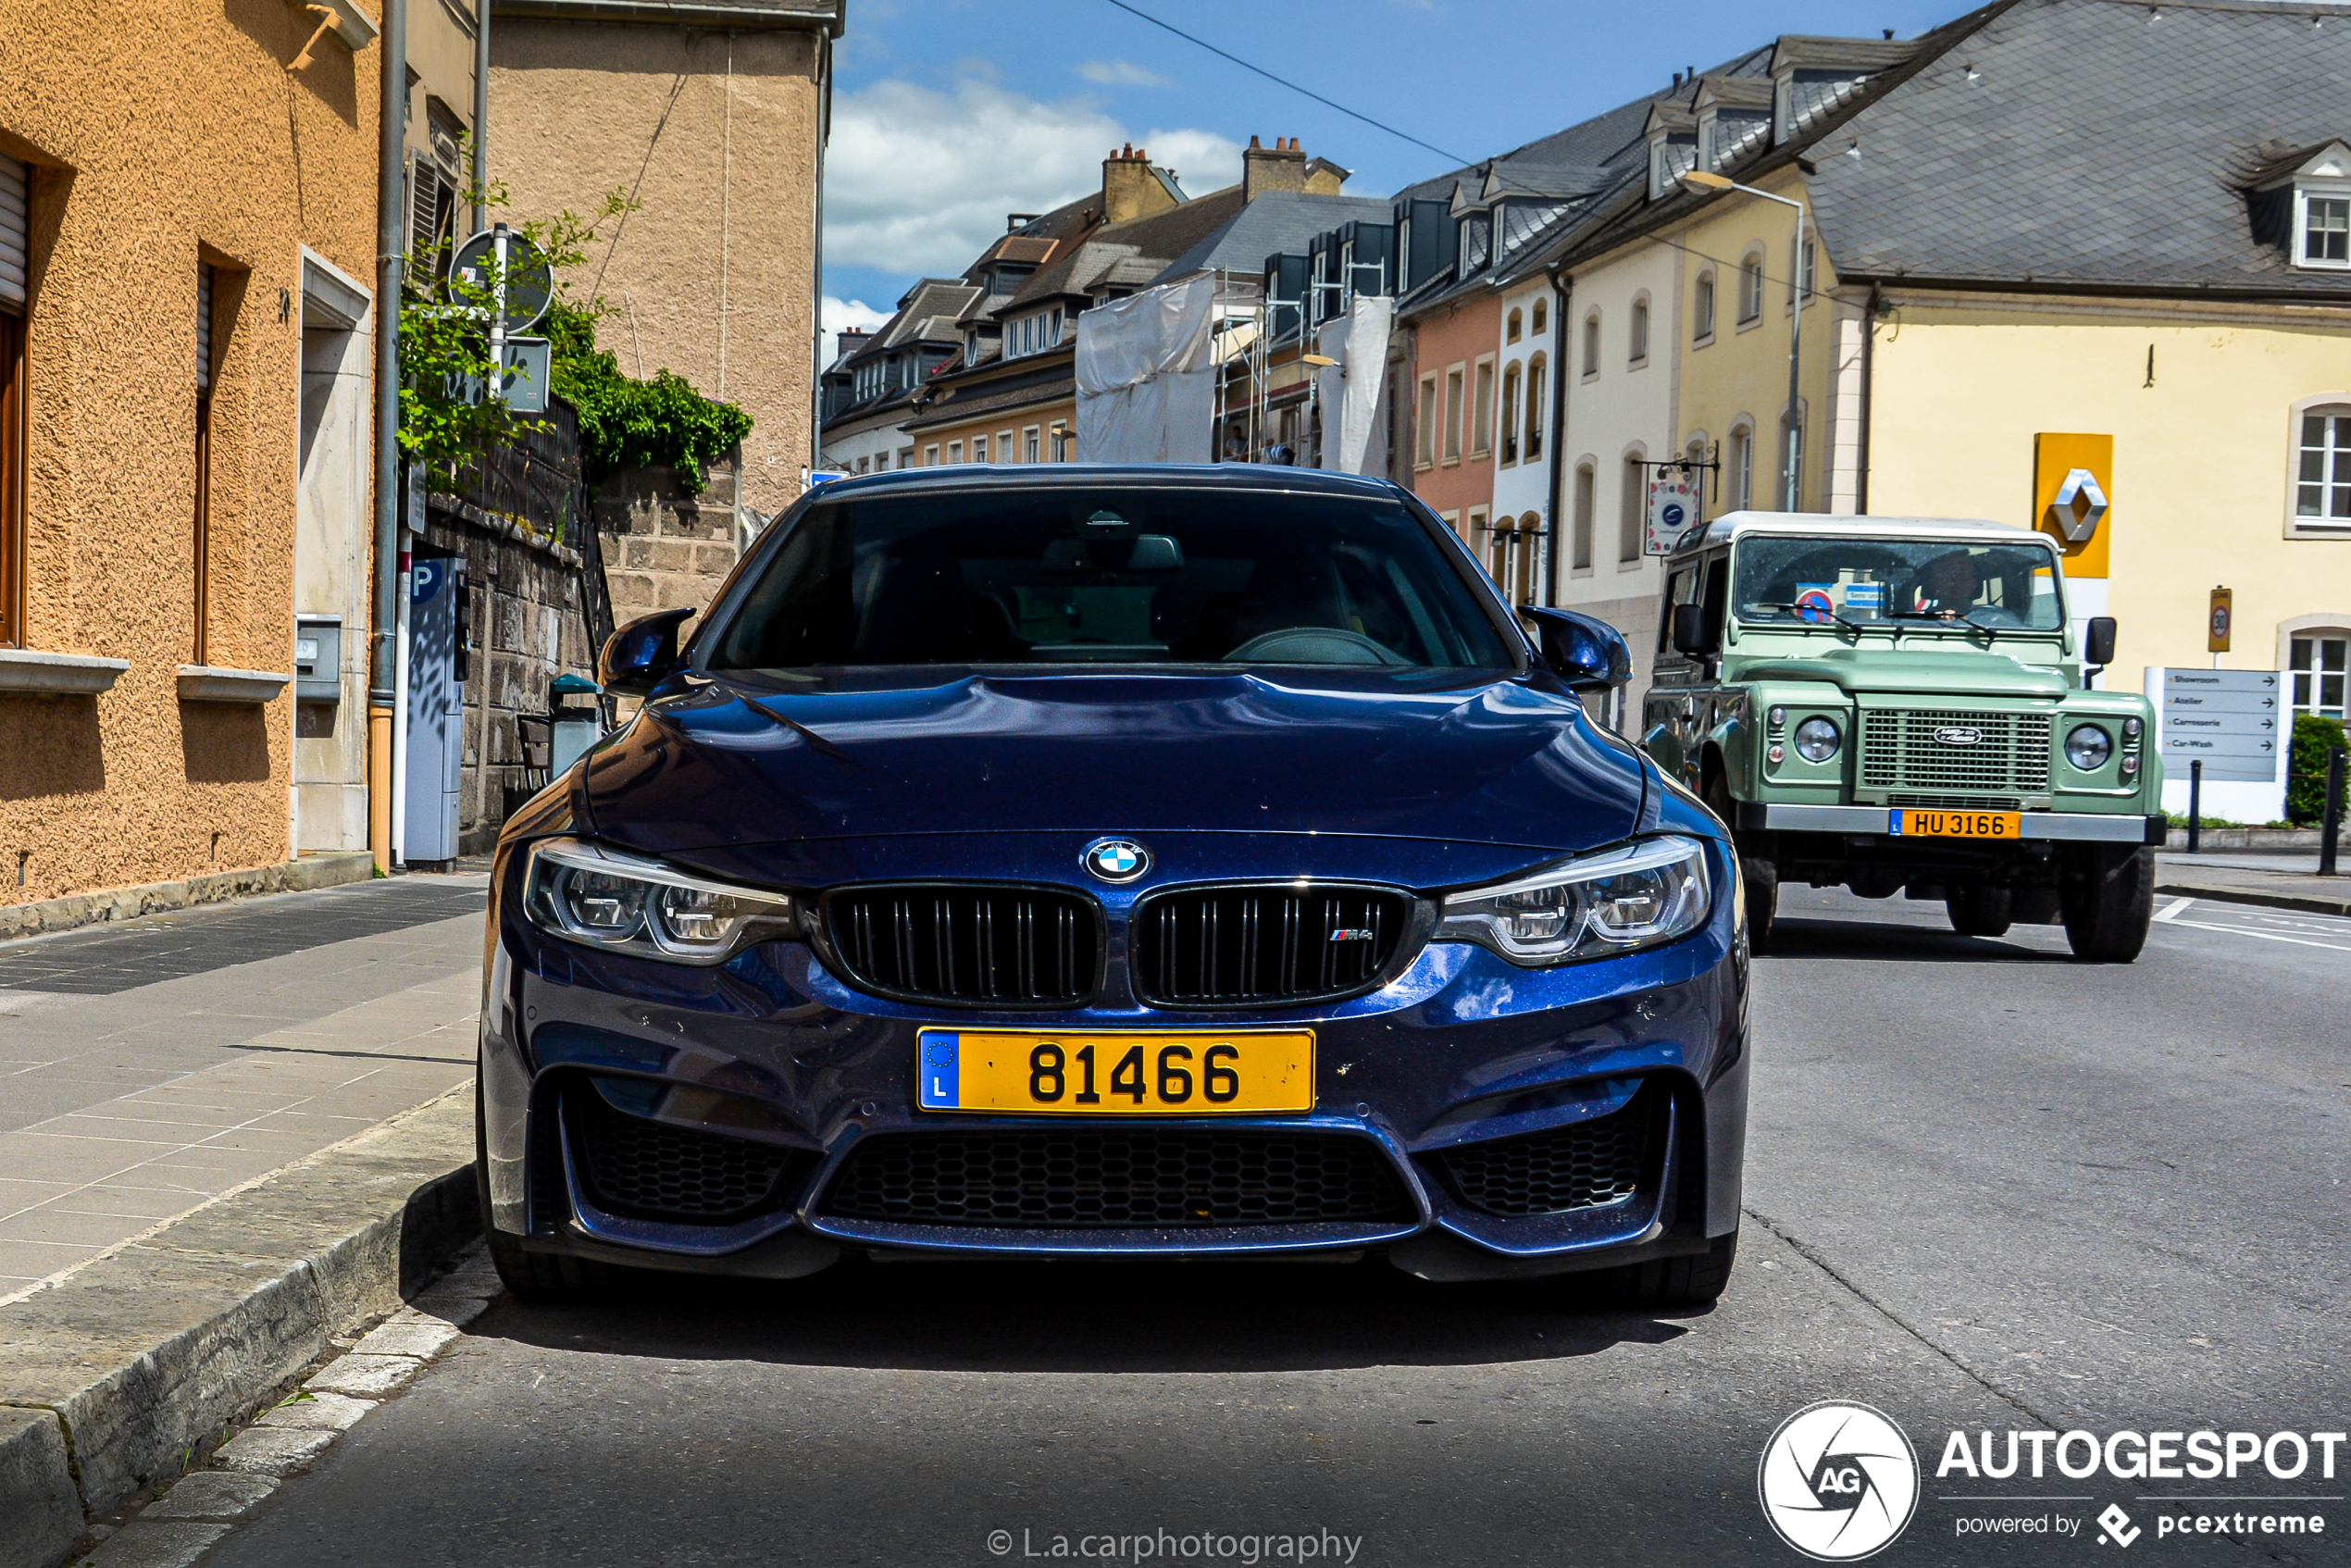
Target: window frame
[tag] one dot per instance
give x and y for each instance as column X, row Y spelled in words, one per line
column 1456, row 390
column 1512, row 324
column 1586, row 504
column 1481, row 411
column 1506, row 424
column 1636, row 332
column 1424, row 425
column 1031, row 442
column 1538, row 366
column 1702, row 310
column 1751, row 281
column 930, row 455
column 2333, row 407
column 2305, row 192
column 2317, row 640
column 1632, row 508
column 14, row 428
column 1591, row 345
column 1542, row 316
column 1741, row 441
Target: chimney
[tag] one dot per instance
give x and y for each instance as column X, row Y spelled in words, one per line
column 1129, row 188
column 1281, row 167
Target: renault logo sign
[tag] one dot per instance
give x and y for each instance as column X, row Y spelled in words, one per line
column 2078, row 506
column 1118, row 860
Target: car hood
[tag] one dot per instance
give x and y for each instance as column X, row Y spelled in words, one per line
column 742, row 761
column 1953, row 672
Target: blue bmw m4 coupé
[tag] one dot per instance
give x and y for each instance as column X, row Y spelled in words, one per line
column 1141, row 861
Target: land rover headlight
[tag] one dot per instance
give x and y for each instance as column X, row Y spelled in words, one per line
column 2087, row 747
column 1817, row 739
column 1594, row 906
column 586, row 893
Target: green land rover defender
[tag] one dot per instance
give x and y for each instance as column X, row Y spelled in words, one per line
column 1898, row 706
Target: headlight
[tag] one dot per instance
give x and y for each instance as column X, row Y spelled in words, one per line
column 1638, row 896
column 606, row 899
column 2087, row 747
column 1817, row 739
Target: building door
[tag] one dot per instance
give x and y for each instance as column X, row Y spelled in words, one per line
column 331, row 468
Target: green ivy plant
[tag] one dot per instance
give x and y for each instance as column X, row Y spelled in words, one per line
column 623, row 422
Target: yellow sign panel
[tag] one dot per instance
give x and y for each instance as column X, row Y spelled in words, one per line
column 2215, row 631
column 1116, row 1072
column 2072, row 491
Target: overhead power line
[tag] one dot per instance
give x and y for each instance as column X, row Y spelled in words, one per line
column 1285, row 81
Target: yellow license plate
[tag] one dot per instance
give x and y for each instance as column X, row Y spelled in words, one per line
column 1958, row 825
column 1116, row 1072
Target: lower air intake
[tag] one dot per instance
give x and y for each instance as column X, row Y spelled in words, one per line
column 1118, row 1178
column 645, row 1169
column 1581, row 1165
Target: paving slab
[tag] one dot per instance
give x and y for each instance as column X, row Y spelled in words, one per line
column 163, row 1543
column 272, row 1451
column 148, row 1351
column 316, row 1410
column 210, row 1494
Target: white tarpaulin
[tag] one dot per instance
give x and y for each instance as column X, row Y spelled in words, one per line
column 1353, row 391
column 1146, row 375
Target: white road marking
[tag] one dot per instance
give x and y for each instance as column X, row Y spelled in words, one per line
column 2171, row 911
column 2265, row 936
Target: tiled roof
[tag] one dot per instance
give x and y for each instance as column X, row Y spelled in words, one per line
column 1169, row 233
column 1277, row 220
column 2090, row 142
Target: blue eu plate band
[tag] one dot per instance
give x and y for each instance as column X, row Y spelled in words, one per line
column 939, row 1089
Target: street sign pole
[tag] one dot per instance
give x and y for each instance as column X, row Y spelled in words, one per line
column 2331, row 820
column 2195, row 806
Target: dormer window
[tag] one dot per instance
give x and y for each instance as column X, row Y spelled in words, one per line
column 1476, row 235
column 2299, row 200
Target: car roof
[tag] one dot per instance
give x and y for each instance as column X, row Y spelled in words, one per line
column 960, row 476
column 1733, row 526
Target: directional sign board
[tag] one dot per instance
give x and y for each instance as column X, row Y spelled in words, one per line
column 2232, row 720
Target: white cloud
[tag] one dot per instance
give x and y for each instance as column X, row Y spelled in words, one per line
column 1121, row 73
column 917, row 181
column 839, row 312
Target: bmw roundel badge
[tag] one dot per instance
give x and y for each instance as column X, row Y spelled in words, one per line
column 1118, row 860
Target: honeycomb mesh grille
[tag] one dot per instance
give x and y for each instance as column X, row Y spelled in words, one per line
column 2009, row 754
column 1117, row 1179
column 1221, row 947
column 653, row 1170
column 1581, row 1165
column 1029, row 946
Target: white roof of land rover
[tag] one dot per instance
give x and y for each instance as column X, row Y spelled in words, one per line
column 1823, row 525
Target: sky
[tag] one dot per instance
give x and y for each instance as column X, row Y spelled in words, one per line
column 950, row 114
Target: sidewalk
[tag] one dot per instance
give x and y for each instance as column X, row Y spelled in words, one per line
column 2273, row 881
column 148, row 1067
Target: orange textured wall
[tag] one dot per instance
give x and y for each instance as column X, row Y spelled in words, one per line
column 1442, row 339
column 163, row 132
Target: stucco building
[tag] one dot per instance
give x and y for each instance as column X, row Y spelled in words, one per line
column 187, row 263
column 712, row 116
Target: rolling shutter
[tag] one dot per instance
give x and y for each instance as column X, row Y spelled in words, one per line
column 204, row 326
column 12, row 230
column 427, row 192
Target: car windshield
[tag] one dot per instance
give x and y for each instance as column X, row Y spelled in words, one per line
column 1072, row 574
column 1904, row 582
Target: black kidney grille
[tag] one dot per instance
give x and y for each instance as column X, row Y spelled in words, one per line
column 977, row 945
column 1578, row 1166
column 1253, row 946
column 1097, row 1178
column 654, row 1170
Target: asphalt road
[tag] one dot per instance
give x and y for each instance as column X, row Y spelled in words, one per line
column 1988, row 1188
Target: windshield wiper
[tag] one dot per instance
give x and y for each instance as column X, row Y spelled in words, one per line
column 1966, row 617
column 1807, row 612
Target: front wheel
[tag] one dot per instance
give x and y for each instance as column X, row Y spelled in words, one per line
column 1980, row 911
column 1691, row 1281
column 534, row 1277
column 2110, row 904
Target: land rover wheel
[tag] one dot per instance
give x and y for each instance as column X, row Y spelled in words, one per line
column 1759, row 875
column 2108, row 897
column 1980, row 911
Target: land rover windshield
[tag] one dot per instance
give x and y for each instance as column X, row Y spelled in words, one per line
column 1906, row 583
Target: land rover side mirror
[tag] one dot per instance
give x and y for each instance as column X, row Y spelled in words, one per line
column 2099, row 647
column 639, row 654
column 1690, row 631
column 1584, row 652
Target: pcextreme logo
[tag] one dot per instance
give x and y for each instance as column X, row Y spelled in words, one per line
column 1838, row 1481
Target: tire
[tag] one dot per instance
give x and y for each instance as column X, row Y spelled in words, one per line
column 1980, row 911
column 1761, row 876
column 2109, row 905
column 534, row 1277
column 1694, row 1280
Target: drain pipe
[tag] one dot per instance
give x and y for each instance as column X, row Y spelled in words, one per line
column 390, row 186
column 482, row 114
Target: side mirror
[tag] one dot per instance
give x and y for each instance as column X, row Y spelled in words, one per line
column 2097, row 648
column 638, row 655
column 1580, row 650
column 1690, row 631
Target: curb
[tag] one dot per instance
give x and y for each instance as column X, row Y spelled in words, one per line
column 112, row 1378
column 154, row 898
column 2302, row 903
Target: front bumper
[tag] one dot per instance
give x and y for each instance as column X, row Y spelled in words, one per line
column 1463, row 1053
column 2036, row 825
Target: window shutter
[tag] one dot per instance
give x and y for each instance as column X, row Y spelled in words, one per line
column 204, row 326
column 424, row 204
column 13, row 224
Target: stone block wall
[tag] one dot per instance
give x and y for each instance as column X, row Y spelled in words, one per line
column 525, row 603
column 662, row 548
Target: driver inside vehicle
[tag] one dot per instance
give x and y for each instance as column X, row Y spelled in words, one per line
column 1946, row 586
